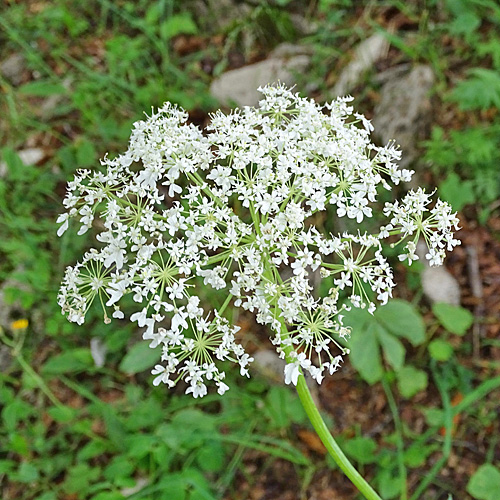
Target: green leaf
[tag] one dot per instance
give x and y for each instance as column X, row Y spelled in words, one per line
column 19, row 444
column 211, row 457
column 42, row 88
column 465, row 24
column 62, row 414
column 416, row 454
column 139, row 445
column 48, row 495
column 411, row 381
column 456, row 191
column 455, row 319
column 73, row 361
column 120, row 467
column 394, row 351
column 85, row 154
column 492, row 48
column 480, row 91
column 177, row 25
column 365, row 354
column 402, row 319
column 15, row 411
column 114, row 426
column 12, row 159
column 434, row 416
column 440, row 350
column 485, row 483
column 108, row 495
column 361, row 449
column 283, row 408
column 139, row 358
column 92, row 449
column 6, row 466
column 148, row 414
column 373, row 335
column 27, row 473
column 79, row 477
column 389, row 483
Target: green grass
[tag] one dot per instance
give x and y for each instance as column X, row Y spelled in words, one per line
column 71, row 430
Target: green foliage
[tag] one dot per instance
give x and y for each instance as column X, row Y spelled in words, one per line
column 139, row 358
column 380, row 335
column 72, row 361
column 485, row 483
column 361, row 449
column 147, row 434
column 440, row 350
column 456, row 191
column 473, row 153
column 480, row 91
column 455, row 319
column 411, row 381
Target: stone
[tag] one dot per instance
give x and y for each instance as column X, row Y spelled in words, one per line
column 220, row 14
column 404, row 113
column 367, row 53
column 270, row 364
column 12, row 68
column 50, row 104
column 240, row 85
column 29, row 156
column 98, row 351
column 438, row 284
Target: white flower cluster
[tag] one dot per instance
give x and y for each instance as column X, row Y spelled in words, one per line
column 232, row 209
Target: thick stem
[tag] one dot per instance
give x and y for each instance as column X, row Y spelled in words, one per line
column 313, row 413
column 331, row 445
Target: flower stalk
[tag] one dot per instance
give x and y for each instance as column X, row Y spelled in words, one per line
column 330, row 444
column 323, row 433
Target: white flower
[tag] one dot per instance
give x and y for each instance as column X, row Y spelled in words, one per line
column 235, row 209
column 292, row 373
column 64, row 218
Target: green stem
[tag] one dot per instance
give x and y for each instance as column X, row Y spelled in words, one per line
column 41, row 384
column 331, row 445
column 315, row 418
column 399, row 437
column 448, row 437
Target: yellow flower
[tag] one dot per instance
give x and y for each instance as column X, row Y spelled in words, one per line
column 19, row 324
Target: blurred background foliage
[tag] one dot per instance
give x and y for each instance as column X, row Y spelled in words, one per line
column 417, row 408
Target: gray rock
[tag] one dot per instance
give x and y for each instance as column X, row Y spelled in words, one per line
column 50, row 104
column 365, row 56
column 288, row 50
column 437, row 282
column 304, row 25
column 240, row 85
column 29, row 156
column 220, row 13
column 270, row 364
column 404, row 112
column 98, row 350
column 12, row 68
column 440, row 286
